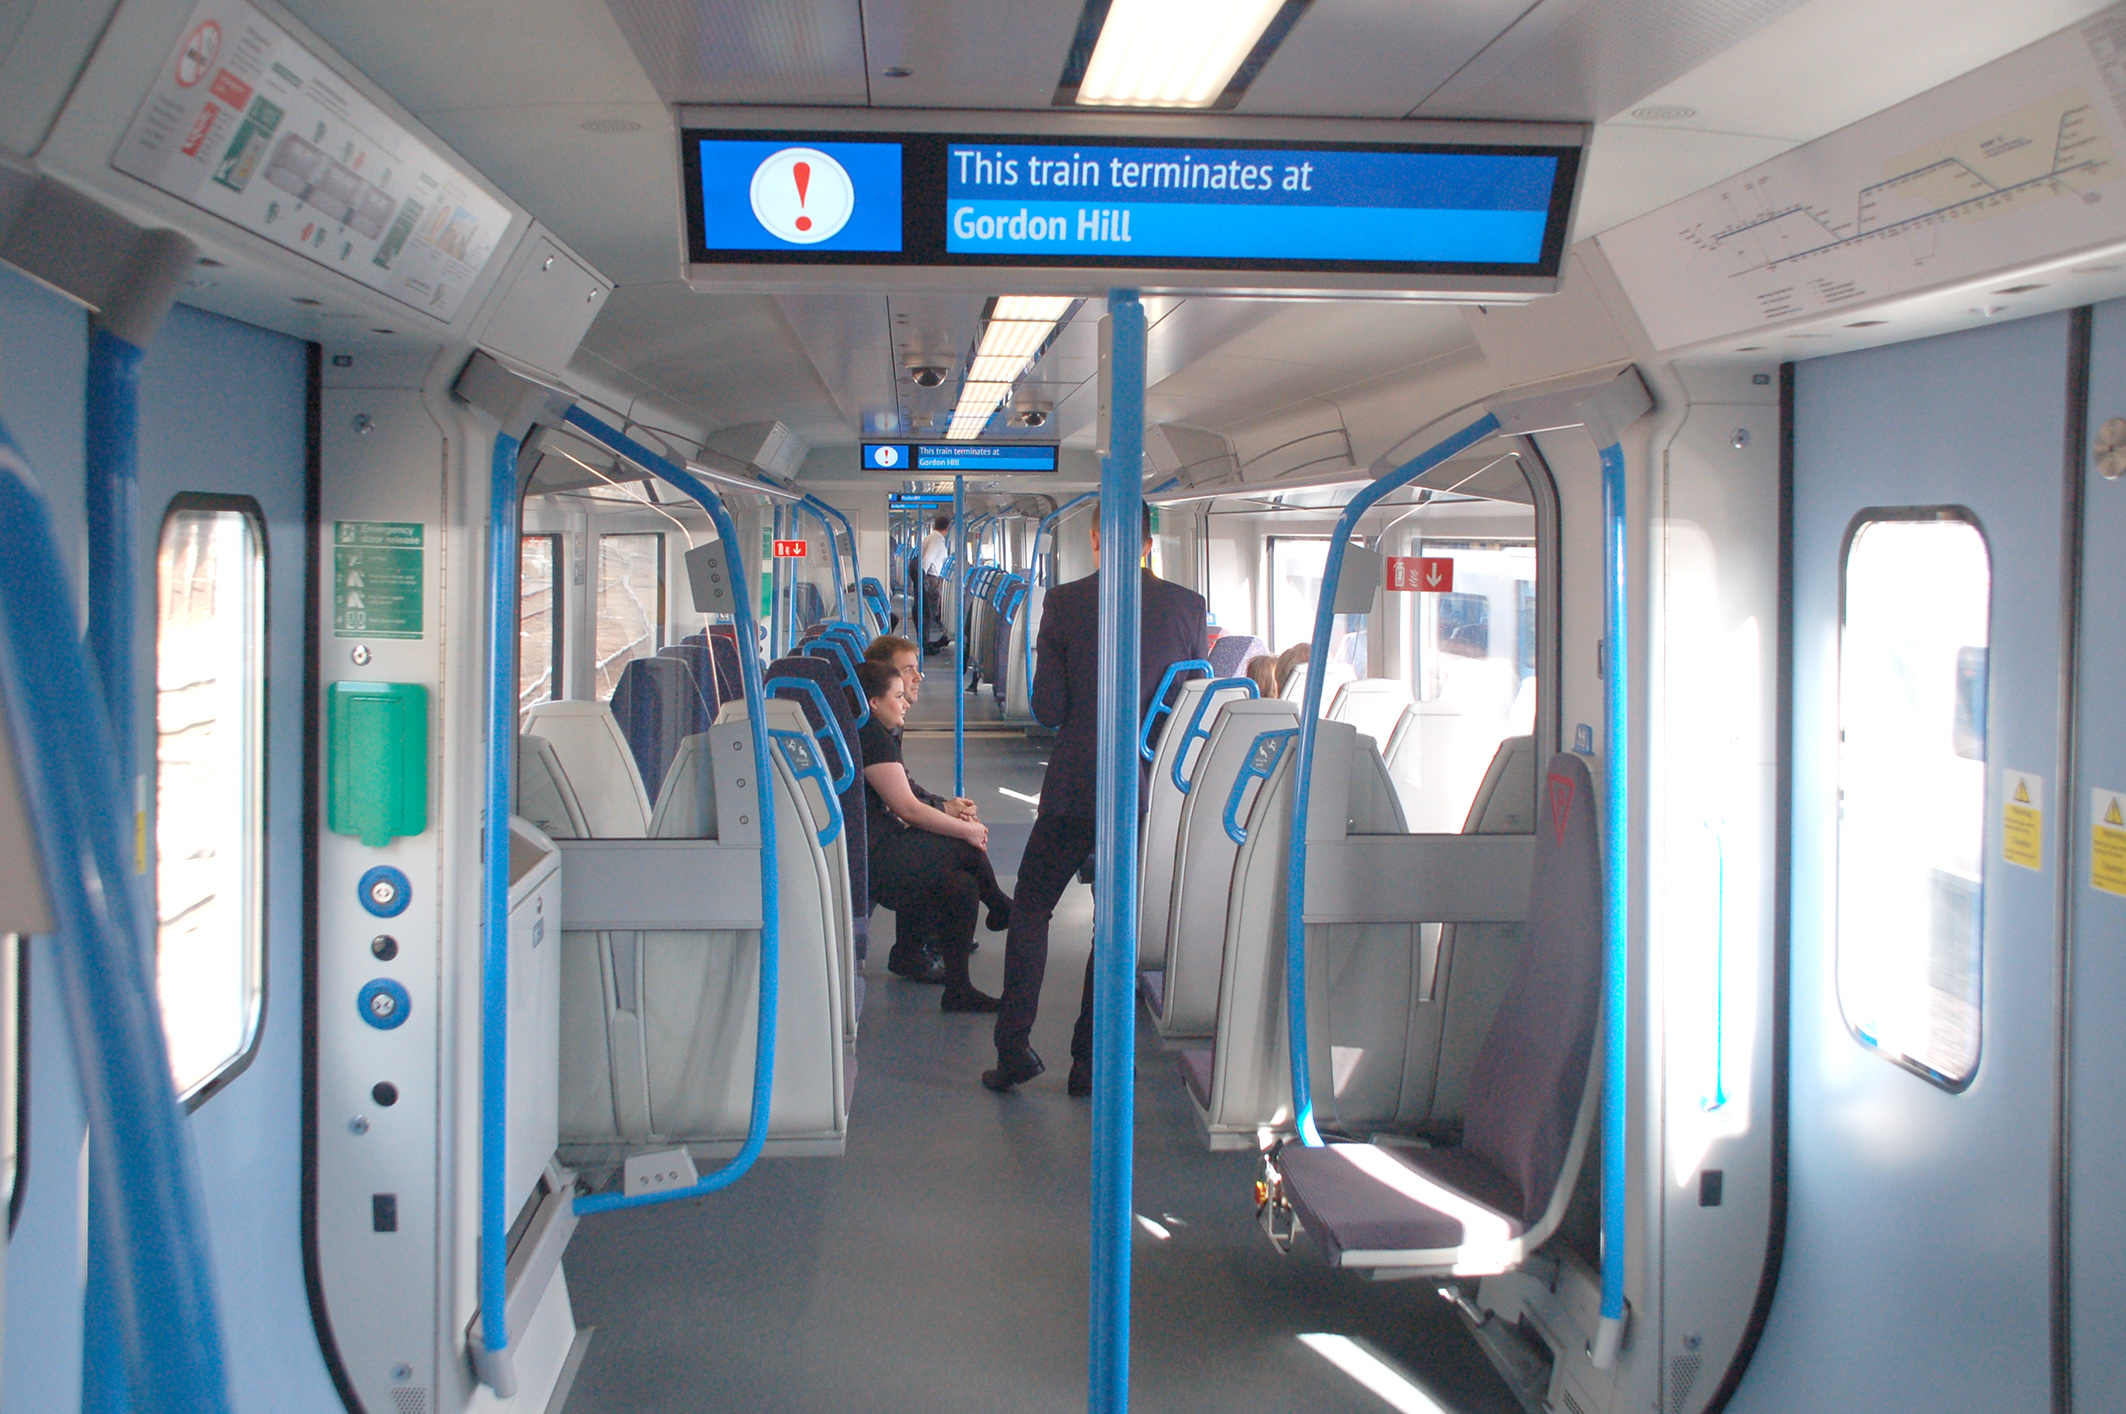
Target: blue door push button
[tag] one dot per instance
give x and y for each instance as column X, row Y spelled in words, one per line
column 384, row 891
column 383, row 1004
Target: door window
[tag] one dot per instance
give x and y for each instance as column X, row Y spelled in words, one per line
column 209, row 801
column 630, row 604
column 1916, row 595
column 538, row 622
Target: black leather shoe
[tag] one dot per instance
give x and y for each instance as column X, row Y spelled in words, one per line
column 968, row 1000
column 1013, row 1068
column 923, row 966
column 999, row 918
column 1080, row 1084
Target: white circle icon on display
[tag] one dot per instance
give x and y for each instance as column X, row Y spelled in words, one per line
column 889, row 456
column 801, row 195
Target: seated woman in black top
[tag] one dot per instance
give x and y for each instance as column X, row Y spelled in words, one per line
column 930, row 868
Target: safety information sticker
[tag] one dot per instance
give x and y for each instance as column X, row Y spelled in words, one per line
column 247, row 124
column 2023, row 819
column 376, row 579
column 2107, row 841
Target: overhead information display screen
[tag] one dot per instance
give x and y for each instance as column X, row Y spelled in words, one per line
column 941, row 202
column 959, row 458
column 1251, row 204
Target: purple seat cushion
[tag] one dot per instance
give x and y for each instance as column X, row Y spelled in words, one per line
column 1197, row 1067
column 1153, row 984
column 1366, row 1198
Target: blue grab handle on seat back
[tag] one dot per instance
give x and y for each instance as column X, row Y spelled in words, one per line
column 1263, row 756
column 1160, row 706
column 875, row 599
column 830, row 731
column 1196, row 728
column 842, row 658
column 800, row 754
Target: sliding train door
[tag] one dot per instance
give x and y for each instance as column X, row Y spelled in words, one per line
column 1923, row 839
column 2093, row 850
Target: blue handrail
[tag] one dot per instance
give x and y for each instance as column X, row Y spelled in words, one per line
column 111, row 457
column 830, row 731
column 770, row 882
column 959, row 640
column 503, row 570
column 878, row 603
column 823, row 510
column 1115, row 883
column 141, row 1166
column 1616, row 895
column 1268, row 749
column 846, row 661
column 1160, row 706
column 1196, row 729
column 1295, row 933
column 806, row 765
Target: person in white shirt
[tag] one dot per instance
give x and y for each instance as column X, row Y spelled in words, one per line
column 935, row 552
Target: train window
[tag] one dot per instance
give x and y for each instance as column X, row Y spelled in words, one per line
column 1915, row 595
column 209, row 798
column 1297, row 563
column 630, row 604
column 1472, row 657
column 538, row 622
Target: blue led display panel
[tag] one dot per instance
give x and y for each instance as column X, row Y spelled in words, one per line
column 959, row 458
column 969, row 459
column 769, row 195
column 937, row 200
column 1250, row 204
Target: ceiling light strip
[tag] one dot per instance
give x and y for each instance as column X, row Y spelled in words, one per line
column 1172, row 53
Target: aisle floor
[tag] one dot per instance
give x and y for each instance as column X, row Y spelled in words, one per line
column 940, row 1264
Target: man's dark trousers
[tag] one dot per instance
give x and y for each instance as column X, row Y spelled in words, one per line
column 1059, row 842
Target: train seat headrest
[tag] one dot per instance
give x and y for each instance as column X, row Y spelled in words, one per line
column 595, row 760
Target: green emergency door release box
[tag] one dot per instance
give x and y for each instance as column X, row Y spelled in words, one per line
column 376, row 760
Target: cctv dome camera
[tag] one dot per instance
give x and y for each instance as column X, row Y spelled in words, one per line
column 1031, row 417
column 927, row 375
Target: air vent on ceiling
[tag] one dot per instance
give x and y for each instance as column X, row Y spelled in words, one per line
column 1664, row 113
column 2019, row 289
column 611, row 125
column 1682, row 1374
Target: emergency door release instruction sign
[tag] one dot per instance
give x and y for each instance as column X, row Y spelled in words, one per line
column 1421, row 574
column 937, row 200
column 377, row 579
column 248, row 125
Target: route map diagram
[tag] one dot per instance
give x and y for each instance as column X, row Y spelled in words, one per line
column 1913, row 198
column 2057, row 148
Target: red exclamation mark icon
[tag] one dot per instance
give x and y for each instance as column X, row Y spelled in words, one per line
column 802, row 171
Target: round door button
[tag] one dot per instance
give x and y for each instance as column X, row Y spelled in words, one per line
column 384, row 891
column 383, row 1004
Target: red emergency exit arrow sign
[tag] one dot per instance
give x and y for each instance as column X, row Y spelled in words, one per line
column 789, row 549
column 1421, row 574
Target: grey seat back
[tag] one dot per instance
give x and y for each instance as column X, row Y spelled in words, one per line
column 1525, row 1092
column 1159, row 835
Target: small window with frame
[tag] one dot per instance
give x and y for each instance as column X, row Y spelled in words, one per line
column 1915, row 603
column 210, row 759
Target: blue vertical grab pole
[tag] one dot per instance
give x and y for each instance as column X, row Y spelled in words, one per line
column 1115, row 854
column 161, row 1333
column 959, row 638
column 502, row 575
column 1616, row 897
column 111, row 453
column 1295, row 932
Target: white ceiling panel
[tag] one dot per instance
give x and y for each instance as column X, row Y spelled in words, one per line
column 1591, row 59
column 728, row 359
column 749, row 51
column 968, row 53
column 1374, row 58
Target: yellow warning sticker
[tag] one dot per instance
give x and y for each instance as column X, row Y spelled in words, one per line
column 2107, row 841
column 2023, row 819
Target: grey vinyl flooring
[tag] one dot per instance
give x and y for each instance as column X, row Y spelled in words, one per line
column 940, row 1264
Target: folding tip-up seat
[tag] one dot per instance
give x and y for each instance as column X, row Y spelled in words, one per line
column 1482, row 1205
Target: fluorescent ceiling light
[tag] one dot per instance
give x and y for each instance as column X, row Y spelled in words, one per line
column 1172, row 53
column 1045, row 308
column 1012, row 338
column 995, row 368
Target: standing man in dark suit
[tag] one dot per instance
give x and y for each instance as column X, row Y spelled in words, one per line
column 1066, row 690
